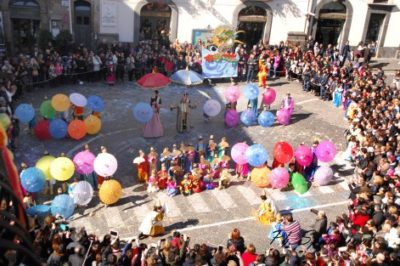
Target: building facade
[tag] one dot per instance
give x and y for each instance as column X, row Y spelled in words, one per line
column 95, row 21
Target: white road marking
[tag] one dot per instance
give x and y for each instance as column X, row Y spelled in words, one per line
column 344, row 185
column 325, row 189
column 224, row 199
column 307, row 194
column 172, row 207
column 249, row 195
column 113, row 218
column 253, row 218
column 141, row 210
column 277, row 195
column 198, row 204
column 307, row 101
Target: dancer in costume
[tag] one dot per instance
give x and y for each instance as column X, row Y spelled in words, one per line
column 183, row 113
column 186, row 185
column 266, row 212
column 222, row 147
column 200, row 149
column 152, row 223
column 165, row 157
column 152, row 157
column 172, row 187
column 211, row 149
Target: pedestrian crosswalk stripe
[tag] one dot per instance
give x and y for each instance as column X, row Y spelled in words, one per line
column 277, row 195
column 141, row 209
column 344, row 185
column 325, row 189
column 307, row 194
column 172, row 208
column 113, row 218
column 224, row 199
column 249, row 195
column 198, row 204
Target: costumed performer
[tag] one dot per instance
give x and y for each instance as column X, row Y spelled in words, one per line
column 200, row 148
column 222, row 147
column 143, row 168
column 225, row 179
column 152, row 183
column 211, row 149
column 262, row 73
column 165, row 157
column 154, row 128
column 172, row 187
column 186, row 185
column 183, row 113
column 288, row 104
column 152, row 223
column 190, row 155
column 152, row 157
column 266, row 212
column 162, row 177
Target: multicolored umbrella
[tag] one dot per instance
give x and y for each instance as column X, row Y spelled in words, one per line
column 44, row 165
column 187, row 77
column 153, row 81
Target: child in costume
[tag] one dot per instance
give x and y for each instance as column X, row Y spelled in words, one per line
column 152, row 185
column 242, row 170
column 222, row 147
column 142, row 167
column 186, row 185
column 225, row 179
column 152, row 157
column 172, row 188
column 162, row 177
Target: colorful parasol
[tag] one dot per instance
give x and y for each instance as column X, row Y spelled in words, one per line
column 110, row 191
column 25, row 113
column 42, row 130
column 84, row 162
column 62, row 168
column 105, row 164
column 187, row 77
column 47, row 110
column 60, row 102
column 44, row 165
column 78, row 99
column 93, row 124
column 95, row 103
column 77, row 129
column 153, row 81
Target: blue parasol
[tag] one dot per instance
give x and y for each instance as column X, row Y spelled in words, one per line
column 39, row 210
column 95, row 103
column 186, row 77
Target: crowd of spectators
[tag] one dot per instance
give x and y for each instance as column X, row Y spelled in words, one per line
column 368, row 234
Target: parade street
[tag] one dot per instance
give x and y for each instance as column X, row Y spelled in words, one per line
column 210, row 215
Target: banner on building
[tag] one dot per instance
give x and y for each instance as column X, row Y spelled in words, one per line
column 109, row 12
column 219, row 65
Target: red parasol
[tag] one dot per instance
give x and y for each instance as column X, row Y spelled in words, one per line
column 153, row 81
column 42, row 131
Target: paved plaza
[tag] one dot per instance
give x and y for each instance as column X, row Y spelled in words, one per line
column 208, row 216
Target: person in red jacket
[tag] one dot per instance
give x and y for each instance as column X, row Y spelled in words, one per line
column 249, row 255
column 360, row 217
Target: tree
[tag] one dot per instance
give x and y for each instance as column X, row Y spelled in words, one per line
column 63, row 40
column 44, row 38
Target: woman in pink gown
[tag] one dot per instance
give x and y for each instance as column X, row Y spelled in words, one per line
column 154, row 128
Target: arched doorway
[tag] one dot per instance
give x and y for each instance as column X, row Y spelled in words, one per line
column 155, row 20
column 82, row 23
column 331, row 23
column 255, row 18
column 251, row 20
column 25, row 23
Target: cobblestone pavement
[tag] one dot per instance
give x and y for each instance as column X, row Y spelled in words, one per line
column 210, row 215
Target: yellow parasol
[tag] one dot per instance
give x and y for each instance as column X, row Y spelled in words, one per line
column 260, row 176
column 60, row 102
column 44, row 165
column 110, row 191
column 62, row 168
column 93, row 124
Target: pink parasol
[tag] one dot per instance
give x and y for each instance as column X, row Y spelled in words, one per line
column 84, row 162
